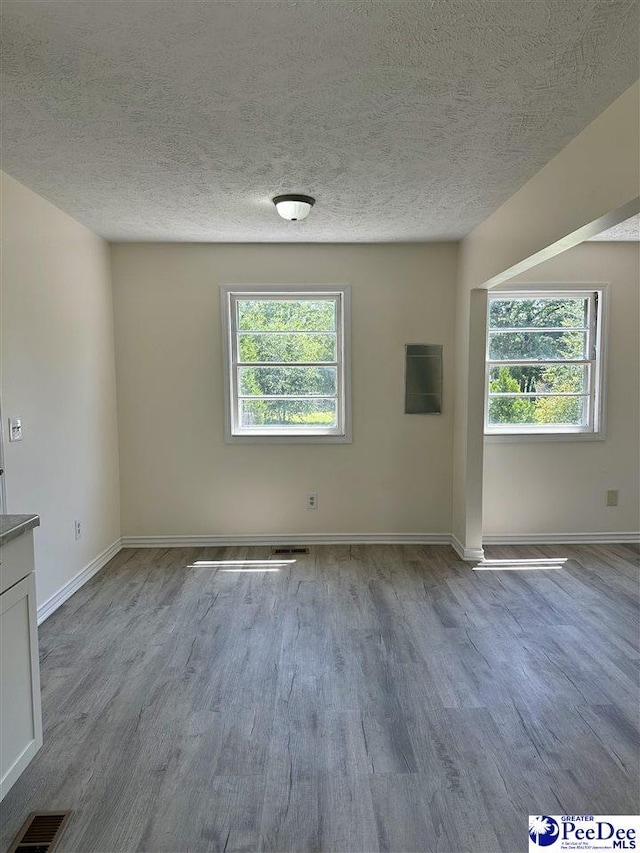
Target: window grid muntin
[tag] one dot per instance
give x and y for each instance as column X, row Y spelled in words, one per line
column 279, row 366
column 587, row 347
column 240, row 334
column 562, row 428
column 592, row 363
column 329, row 334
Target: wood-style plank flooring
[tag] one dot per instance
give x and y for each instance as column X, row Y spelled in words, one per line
column 363, row 698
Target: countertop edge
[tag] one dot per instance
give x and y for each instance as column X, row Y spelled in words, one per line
column 12, row 526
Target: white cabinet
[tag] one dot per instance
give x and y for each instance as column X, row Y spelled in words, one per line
column 20, row 714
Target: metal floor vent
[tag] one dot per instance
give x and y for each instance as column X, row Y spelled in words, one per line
column 280, row 551
column 40, row 832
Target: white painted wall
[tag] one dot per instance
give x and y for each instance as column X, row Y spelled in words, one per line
column 560, row 487
column 178, row 475
column 592, row 184
column 58, row 374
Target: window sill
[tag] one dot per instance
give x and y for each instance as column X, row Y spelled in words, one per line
column 263, row 438
column 517, row 438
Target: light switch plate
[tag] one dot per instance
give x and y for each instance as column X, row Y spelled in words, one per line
column 15, row 429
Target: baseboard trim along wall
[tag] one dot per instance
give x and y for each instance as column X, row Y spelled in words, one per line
column 58, row 598
column 560, row 538
column 470, row 554
column 281, row 539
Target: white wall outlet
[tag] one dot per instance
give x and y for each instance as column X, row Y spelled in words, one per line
column 15, row 429
column 612, row 497
column 312, row 500
column 77, row 527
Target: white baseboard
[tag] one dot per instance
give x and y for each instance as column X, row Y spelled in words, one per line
column 470, row 554
column 560, row 538
column 58, row 598
column 280, row 539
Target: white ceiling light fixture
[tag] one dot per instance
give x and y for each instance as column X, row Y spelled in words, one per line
column 294, row 207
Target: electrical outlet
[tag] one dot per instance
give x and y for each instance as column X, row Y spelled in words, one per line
column 312, row 500
column 77, row 526
column 15, row 429
column 612, row 497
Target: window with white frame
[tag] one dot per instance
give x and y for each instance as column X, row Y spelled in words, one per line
column 544, row 363
column 286, row 362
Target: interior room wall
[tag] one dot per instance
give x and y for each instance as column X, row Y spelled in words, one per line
column 559, row 487
column 178, row 475
column 581, row 191
column 58, row 375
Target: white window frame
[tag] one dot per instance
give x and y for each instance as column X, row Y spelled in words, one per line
column 596, row 349
column 234, row 432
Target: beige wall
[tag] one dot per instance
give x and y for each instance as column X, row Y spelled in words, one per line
column 560, row 487
column 583, row 183
column 583, row 190
column 178, row 475
column 58, row 374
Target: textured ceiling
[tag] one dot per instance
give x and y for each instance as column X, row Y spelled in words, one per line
column 406, row 119
column 625, row 231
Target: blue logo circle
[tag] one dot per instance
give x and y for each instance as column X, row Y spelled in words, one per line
column 543, row 830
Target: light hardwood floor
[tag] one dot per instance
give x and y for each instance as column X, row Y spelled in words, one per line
column 364, row 698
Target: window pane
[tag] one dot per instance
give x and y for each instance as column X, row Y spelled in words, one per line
column 538, row 313
column 290, row 413
column 287, row 381
column 548, row 379
column 540, row 411
column 300, row 347
column 287, row 315
column 533, row 346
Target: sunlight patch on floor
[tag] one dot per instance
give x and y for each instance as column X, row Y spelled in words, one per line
column 252, row 566
column 515, row 565
column 250, row 570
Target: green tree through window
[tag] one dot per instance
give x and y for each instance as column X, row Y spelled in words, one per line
column 541, row 361
column 287, row 363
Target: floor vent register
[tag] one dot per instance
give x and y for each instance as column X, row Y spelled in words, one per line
column 40, row 832
column 278, row 552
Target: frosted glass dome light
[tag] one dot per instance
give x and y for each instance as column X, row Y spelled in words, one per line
column 294, row 207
